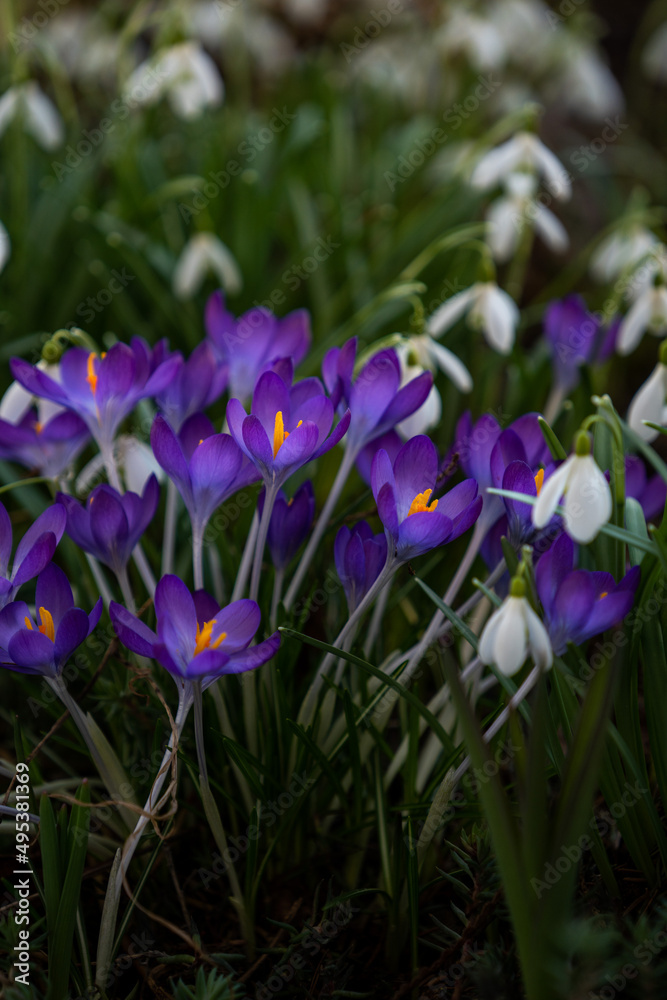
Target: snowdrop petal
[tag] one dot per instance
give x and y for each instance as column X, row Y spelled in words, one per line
column 428, row 415
column 5, row 247
column 496, row 164
column 452, row 366
column 447, row 314
column 503, row 236
column 511, row 645
column 587, row 500
column 633, row 325
column 43, row 120
column 499, row 316
column 555, row 175
column 648, row 403
column 538, row 640
column 551, row 229
column 550, row 494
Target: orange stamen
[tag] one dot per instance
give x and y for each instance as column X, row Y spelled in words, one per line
column 539, row 480
column 280, row 435
column 603, row 594
column 91, row 377
column 46, row 626
column 420, row 504
column 39, row 427
column 203, row 640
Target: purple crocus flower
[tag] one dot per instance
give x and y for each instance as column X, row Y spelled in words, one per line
column 579, row 604
column 196, row 640
column 205, row 466
column 375, row 399
column 287, row 427
column 650, row 492
column 110, row 524
column 43, row 644
column 290, row 523
column 50, row 448
column 33, row 552
column 251, row 344
column 360, row 556
column 196, row 383
column 576, row 338
column 414, row 524
column 102, row 389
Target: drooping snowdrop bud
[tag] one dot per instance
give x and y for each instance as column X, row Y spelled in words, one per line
column 488, row 308
column 620, row 251
column 518, row 208
column 5, row 247
column 40, row 117
column 523, row 152
column 184, row 73
column 650, row 401
column 514, row 632
column 648, row 312
column 204, row 253
column 586, row 490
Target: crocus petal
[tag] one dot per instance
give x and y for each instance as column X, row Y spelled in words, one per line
column 12, row 619
column 255, row 656
column 168, row 452
column 298, row 447
column 36, row 559
column 131, row 631
column 32, row 651
column 386, row 505
column 257, row 444
column 109, row 527
column 176, row 615
column 240, row 620
column 407, row 401
column 415, row 471
column 422, row 532
column 71, row 632
column 53, row 520
column 5, row 539
column 53, row 592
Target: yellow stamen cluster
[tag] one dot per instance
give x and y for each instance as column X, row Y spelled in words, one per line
column 420, row 504
column 45, row 626
column 539, row 480
column 91, row 377
column 204, row 633
column 280, row 435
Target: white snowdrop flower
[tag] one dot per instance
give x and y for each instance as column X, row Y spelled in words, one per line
column 203, row 253
column 587, row 494
column 587, row 87
column 421, row 350
column 648, row 312
column 5, row 247
column 478, row 38
column 509, row 214
column 523, row 152
column 488, row 308
column 654, row 56
column 39, row 115
column 184, row 73
column 17, row 401
column 521, row 26
column 620, row 251
column 514, row 632
column 650, row 401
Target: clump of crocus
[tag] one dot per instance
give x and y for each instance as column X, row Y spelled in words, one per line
column 587, row 494
column 42, row 643
column 33, row 552
column 253, row 343
column 360, row 555
column 577, row 603
column 513, row 632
